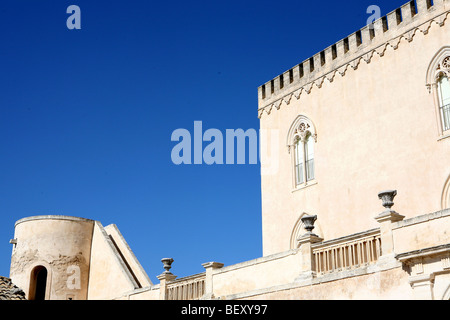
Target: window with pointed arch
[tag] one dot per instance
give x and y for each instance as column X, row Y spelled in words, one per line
column 438, row 83
column 444, row 99
column 301, row 144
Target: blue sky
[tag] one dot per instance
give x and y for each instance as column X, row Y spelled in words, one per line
column 86, row 116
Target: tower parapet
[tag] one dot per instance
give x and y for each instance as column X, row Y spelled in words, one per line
column 402, row 23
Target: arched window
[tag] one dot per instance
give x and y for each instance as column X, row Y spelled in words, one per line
column 38, row 283
column 299, row 162
column 301, row 139
column 309, row 157
column 438, row 84
column 304, row 160
column 444, row 100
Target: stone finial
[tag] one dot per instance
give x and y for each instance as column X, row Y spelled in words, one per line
column 165, row 278
column 308, row 221
column 388, row 198
column 167, row 262
column 304, row 244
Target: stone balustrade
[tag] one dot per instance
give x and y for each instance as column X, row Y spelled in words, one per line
column 347, row 253
column 187, row 288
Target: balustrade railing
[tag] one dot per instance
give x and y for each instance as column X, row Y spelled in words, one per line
column 188, row 288
column 347, row 253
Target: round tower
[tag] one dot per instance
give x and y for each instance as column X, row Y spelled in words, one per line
column 51, row 255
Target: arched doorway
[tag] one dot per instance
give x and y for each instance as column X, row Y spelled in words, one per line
column 38, row 283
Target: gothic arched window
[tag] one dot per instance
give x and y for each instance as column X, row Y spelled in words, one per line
column 438, row 83
column 444, row 100
column 301, row 140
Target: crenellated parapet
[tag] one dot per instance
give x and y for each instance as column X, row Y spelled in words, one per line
column 388, row 31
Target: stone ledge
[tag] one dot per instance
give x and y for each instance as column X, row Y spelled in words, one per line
column 335, row 276
column 52, row 217
column 421, row 219
column 258, row 260
column 445, row 248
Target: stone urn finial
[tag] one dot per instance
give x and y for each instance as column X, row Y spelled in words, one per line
column 388, row 198
column 167, row 264
column 388, row 215
column 308, row 221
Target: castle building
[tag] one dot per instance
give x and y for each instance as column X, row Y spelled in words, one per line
column 355, row 203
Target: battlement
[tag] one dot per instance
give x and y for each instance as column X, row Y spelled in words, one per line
column 348, row 52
